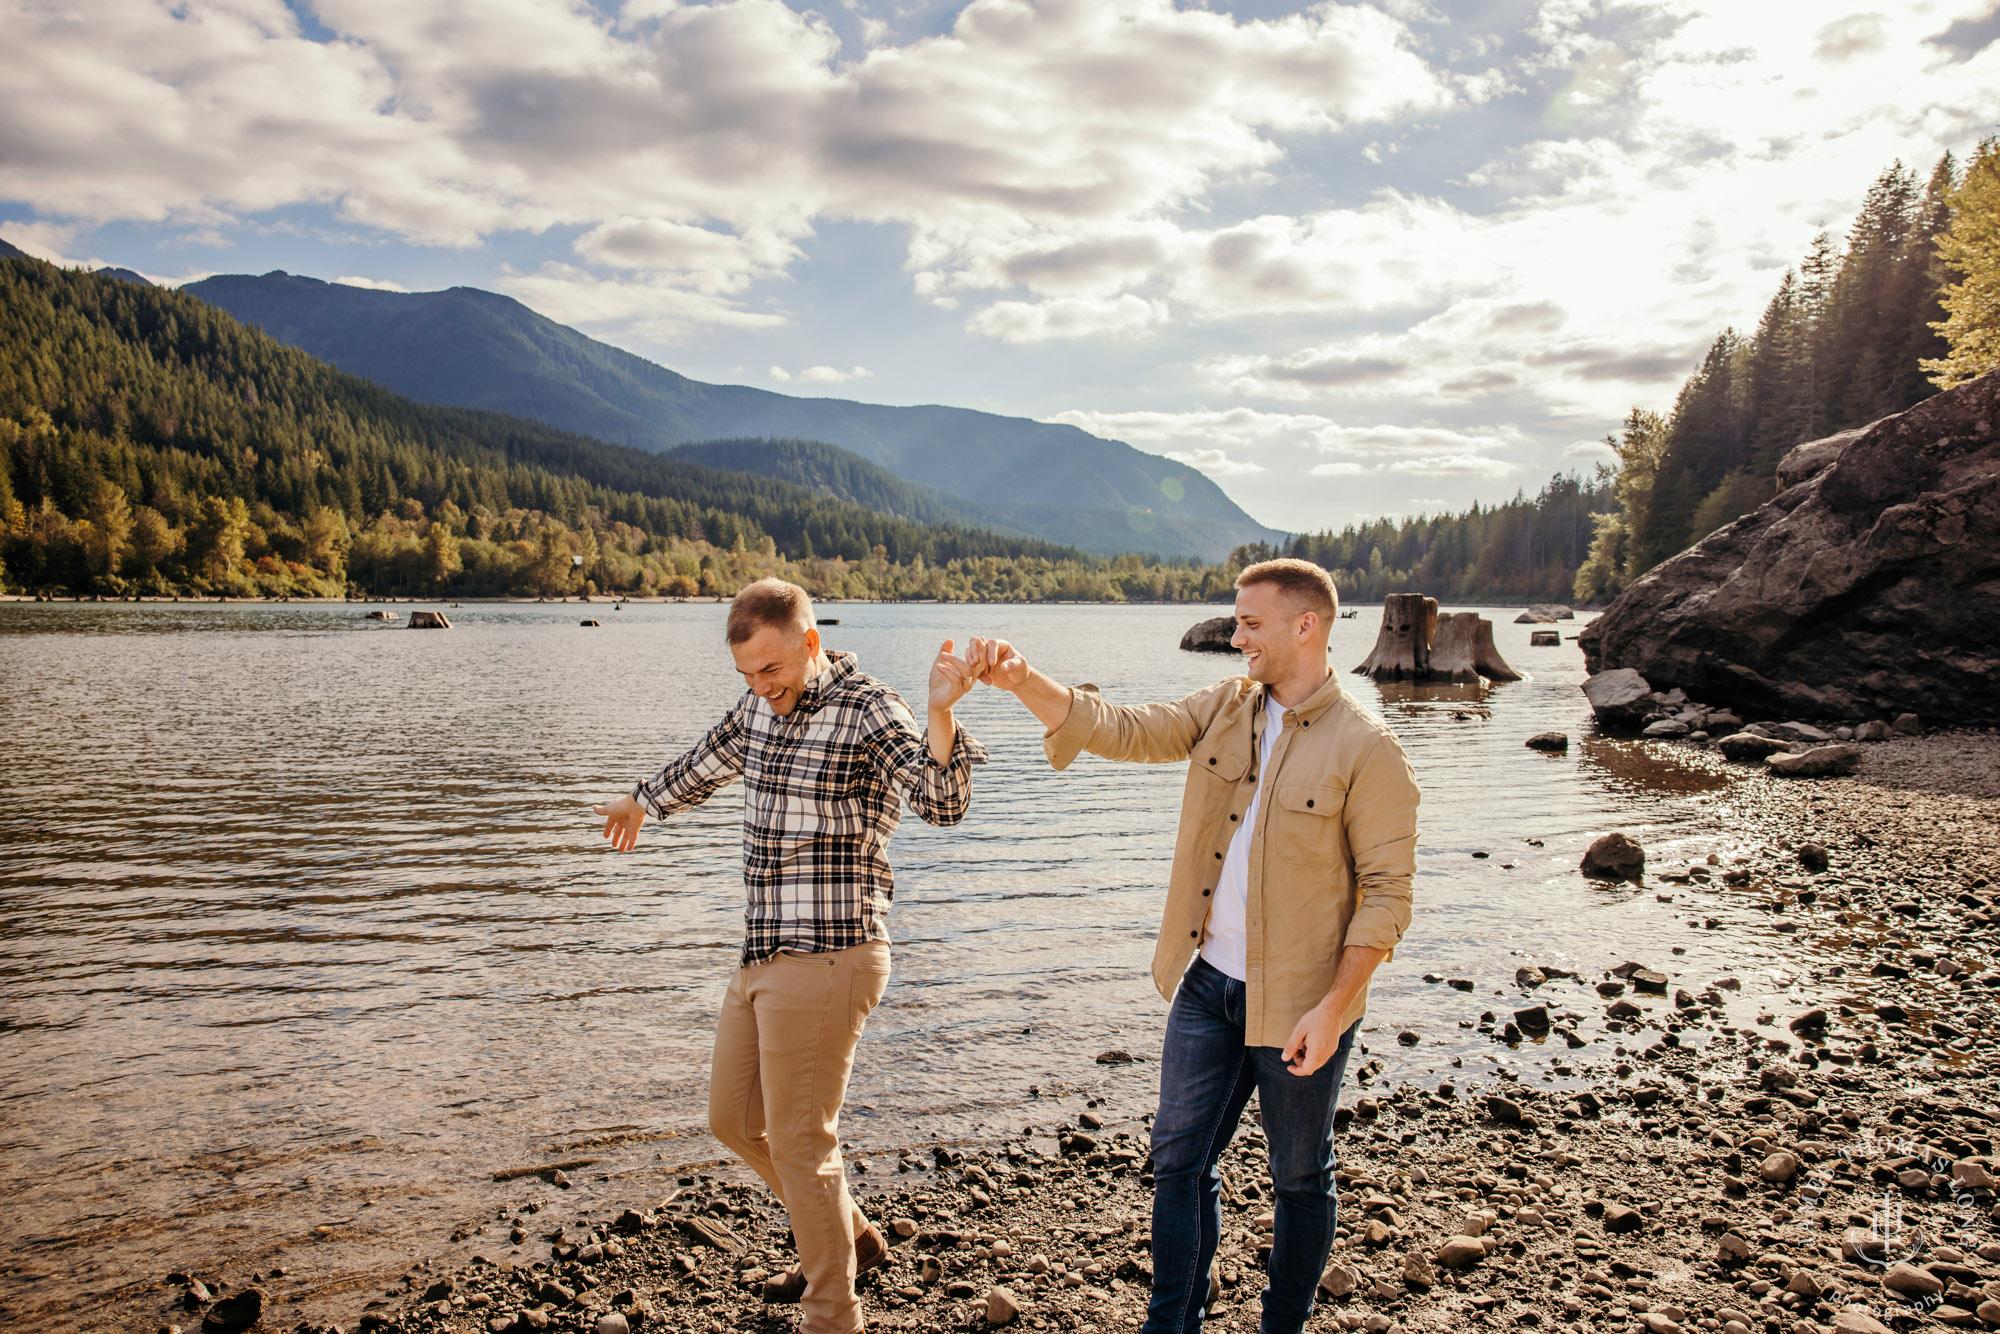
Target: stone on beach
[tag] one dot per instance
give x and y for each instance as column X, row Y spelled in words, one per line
column 1461, row 1252
column 1614, row 857
column 1750, row 747
column 1548, row 741
column 1819, row 762
column 232, row 1315
column 1001, row 1307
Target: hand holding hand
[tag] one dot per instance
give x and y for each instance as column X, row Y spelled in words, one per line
column 951, row 678
column 1314, row 1040
column 998, row 663
column 622, row 819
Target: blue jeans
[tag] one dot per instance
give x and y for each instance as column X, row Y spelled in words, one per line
column 1206, row 1076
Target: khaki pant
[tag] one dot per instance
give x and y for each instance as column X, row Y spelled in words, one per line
column 784, row 1047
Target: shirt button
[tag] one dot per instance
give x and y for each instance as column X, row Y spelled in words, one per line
column 1309, row 804
column 1211, row 759
column 1193, row 934
column 1232, row 818
column 1204, row 893
column 1218, row 856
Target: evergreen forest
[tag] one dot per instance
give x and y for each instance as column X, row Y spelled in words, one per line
column 1908, row 305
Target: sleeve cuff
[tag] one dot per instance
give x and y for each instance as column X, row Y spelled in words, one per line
column 965, row 750
column 1067, row 742
column 646, row 803
column 1375, row 927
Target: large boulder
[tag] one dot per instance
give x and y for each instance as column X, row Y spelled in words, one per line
column 1211, row 636
column 1866, row 587
column 1621, row 698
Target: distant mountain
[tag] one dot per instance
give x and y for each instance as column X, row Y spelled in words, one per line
column 9, row 251
column 472, row 348
column 842, row 475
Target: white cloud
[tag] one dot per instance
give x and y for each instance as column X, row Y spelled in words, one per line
column 373, row 284
column 1214, row 462
column 821, row 375
column 1336, row 470
column 1593, row 451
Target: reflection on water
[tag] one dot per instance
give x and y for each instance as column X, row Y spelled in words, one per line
column 309, row 931
column 1642, row 768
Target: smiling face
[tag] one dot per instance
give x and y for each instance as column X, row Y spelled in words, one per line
column 776, row 662
column 1275, row 636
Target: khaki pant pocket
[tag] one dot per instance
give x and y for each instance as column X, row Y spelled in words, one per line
column 864, row 993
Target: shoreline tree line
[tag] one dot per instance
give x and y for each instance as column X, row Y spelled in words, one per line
column 1908, row 306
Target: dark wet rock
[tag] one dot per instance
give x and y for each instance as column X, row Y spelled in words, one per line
column 1115, row 1058
column 1620, row 699
column 1665, row 729
column 1549, row 741
column 1211, row 636
column 1865, row 585
column 1625, row 1010
column 1534, row 1019
column 1614, row 857
column 1622, row 1218
column 1648, row 981
column 1819, row 762
column 1504, row 1110
column 232, row 1315
column 1813, row 857
column 1812, row 1021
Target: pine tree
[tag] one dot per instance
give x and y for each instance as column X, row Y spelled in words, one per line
column 1971, row 250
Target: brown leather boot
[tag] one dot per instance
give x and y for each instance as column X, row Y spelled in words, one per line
column 871, row 1251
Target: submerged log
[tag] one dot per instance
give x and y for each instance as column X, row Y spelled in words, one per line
column 1544, row 638
column 1486, row 655
column 1403, row 645
column 429, row 620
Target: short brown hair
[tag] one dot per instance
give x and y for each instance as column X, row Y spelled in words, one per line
column 769, row 602
column 1305, row 585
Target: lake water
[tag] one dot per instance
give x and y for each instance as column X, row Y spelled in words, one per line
column 309, row 930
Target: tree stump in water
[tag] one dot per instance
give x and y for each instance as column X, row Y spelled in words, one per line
column 1455, row 645
column 1403, row 645
column 1486, row 657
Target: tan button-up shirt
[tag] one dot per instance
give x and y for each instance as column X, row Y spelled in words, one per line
column 1332, row 853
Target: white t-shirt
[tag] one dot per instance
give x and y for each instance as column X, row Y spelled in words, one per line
column 1226, row 944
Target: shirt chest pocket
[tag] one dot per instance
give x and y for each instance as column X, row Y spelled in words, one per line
column 1213, row 778
column 1306, row 826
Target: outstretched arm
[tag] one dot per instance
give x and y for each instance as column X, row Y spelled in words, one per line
column 1001, row 664
column 1077, row 719
column 689, row 781
column 934, row 772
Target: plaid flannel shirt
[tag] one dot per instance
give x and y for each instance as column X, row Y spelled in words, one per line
column 819, row 804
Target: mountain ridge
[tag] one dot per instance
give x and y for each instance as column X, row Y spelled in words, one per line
column 468, row 347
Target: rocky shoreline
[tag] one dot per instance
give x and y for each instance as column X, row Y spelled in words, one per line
column 1662, row 1167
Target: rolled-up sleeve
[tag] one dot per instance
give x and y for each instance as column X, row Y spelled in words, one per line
column 1381, row 818
column 1147, row 733
column 938, row 794
column 714, row 762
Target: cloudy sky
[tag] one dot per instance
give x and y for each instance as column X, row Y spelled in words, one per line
column 1349, row 259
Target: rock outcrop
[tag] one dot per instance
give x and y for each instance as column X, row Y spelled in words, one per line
column 1869, row 585
column 1211, row 636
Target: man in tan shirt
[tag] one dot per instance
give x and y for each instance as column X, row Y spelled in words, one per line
column 1290, row 884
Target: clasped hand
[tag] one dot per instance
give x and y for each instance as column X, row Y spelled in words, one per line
column 994, row 661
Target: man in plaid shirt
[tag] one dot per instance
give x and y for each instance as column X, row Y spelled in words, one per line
column 823, row 751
